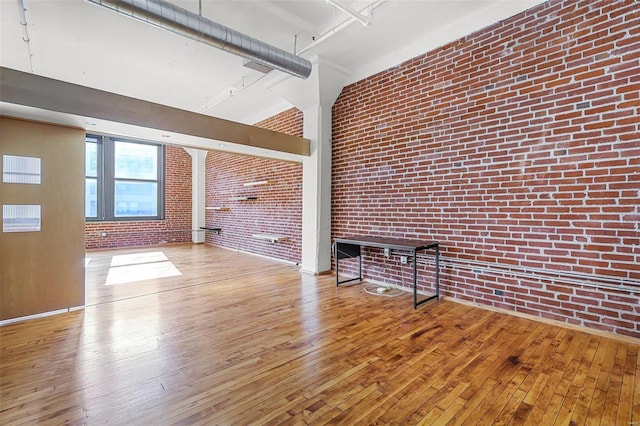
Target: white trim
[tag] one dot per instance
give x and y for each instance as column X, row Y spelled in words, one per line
column 41, row 315
column 260, row 183
column 288, row 262
column 576, row 327
column 270, row 237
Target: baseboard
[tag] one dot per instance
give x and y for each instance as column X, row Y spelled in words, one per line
column 172, row 243
column 306, row 271
column 40, row 315
column 600, row 333
column 288, row 262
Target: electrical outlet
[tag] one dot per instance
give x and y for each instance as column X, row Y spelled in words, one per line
column 404, row 260
column 103, row 234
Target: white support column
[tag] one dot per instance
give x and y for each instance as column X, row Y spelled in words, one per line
column 198, row 193
column 315, row 96
column 316, row 191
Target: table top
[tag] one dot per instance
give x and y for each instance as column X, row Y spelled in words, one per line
column 383, row 242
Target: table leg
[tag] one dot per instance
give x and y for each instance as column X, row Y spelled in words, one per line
column 438, row 271
column 335, row 254
column 415, row 280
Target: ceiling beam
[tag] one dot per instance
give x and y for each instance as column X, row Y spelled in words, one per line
column 32, row 90
column 284, row 14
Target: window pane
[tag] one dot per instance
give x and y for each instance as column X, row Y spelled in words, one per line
column 20, row 218
column 122, row 179
column 16, row 169
column 91, row 197
column 135, row 161
column 91, row 159
column 136, row 199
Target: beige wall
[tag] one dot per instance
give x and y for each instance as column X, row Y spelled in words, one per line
column 44, row 271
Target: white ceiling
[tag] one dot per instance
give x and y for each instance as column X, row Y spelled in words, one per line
column 82, row 43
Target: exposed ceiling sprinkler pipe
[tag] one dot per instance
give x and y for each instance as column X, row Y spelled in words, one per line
column 211, row 103
column 335, row 30
column 170, row 17
column 344, row 7
column 25, row 32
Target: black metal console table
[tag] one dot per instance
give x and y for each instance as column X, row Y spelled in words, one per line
column 350, row 247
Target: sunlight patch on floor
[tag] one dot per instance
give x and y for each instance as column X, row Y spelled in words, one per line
column 130, row 268
column 138, row 258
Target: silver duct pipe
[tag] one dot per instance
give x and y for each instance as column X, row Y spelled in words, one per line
column 170, row 17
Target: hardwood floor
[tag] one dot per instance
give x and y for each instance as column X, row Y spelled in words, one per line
column 236, row 339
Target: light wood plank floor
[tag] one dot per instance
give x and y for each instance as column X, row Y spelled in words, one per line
column 236, row 340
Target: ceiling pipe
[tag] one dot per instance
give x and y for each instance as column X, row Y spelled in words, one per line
column 340, row 5
column 173, row 18
column 25, row 32
column 344, row 24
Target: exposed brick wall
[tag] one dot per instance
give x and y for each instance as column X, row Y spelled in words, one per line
column 175, row 228
column 288, row 122
column 517, row 147
column 278, row 208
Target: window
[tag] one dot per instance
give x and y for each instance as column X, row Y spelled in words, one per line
column 16, row 169
column 124, row 179
column 91, row 178
column 21, row 218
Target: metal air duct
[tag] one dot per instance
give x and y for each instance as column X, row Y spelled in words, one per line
column 176, row 19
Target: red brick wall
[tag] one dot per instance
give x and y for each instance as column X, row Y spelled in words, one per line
column 517, row 147
column 278, row 209
column 288, row 122
column 177, row 224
